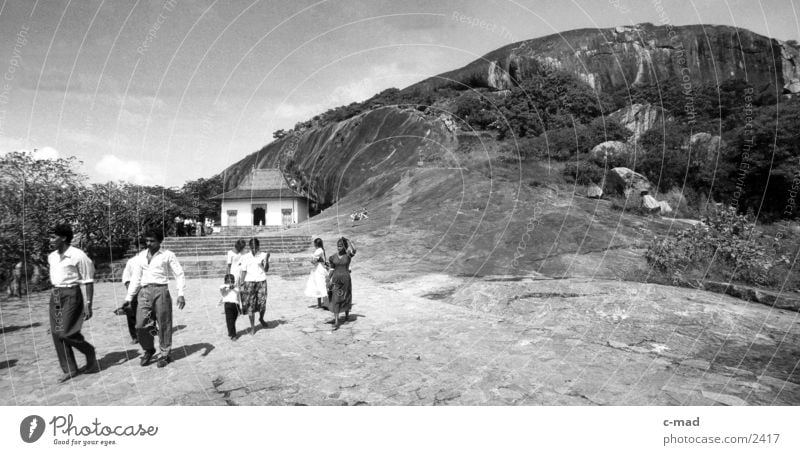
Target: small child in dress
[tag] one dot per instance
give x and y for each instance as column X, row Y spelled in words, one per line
column 230, row 298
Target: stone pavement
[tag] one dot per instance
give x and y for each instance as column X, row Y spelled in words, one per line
column 398, row 349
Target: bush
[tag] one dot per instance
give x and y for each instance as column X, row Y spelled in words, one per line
column 583, row 172
column 727, row 238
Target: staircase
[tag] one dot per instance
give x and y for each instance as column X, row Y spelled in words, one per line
column 205, row 257
column 219, row 245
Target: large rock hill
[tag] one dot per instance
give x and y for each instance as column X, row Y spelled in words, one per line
column 442, row 200
column 615, row 58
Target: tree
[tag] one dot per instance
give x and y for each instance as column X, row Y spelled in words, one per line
column 34, row 196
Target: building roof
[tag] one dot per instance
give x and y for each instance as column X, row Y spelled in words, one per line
column 260, row 184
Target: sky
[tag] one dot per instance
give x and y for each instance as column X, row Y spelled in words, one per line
column 160, row 92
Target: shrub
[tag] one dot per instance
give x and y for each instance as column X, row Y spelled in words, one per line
column 725, row 237
column 583, row 172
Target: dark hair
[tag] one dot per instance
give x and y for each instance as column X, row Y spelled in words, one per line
column 253, row 243
column 344, row 242
column 239, row 245
column 63, row 230
column 155, row 233
column 230, row 278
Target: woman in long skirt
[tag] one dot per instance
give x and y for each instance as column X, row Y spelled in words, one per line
column 340, row 290
column 255, row 266
column 316, row 286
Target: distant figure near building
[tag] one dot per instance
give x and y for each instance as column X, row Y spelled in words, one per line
column 149, row 278
column 69, row 268
column 340, row 290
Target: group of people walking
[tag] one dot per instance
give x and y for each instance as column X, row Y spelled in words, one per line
column 148, row 303
column 245, row 285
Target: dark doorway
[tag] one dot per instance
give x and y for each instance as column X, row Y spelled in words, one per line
column 259, row 216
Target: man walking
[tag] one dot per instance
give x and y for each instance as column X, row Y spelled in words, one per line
column 129, row 309
column 69, row 268
column 149, row 277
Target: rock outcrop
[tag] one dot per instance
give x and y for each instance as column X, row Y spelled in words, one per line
column 705, row 146
column 622, row 180
column 327, row 162
column 614, row 59
column 609, row 150
column 639, row 118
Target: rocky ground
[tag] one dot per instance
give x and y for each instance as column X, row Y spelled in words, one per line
column 429, row 340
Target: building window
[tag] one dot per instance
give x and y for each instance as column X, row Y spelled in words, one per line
column 287, row 216
column 232, row 217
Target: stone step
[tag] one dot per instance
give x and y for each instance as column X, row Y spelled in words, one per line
column 189, row 252
column 211, row 273
column 233, row 238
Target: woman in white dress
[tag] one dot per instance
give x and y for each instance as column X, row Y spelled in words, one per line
column 316, row 285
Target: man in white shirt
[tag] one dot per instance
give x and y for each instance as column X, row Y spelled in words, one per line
column 69, row 268
column 150, row 272
column 129, row 310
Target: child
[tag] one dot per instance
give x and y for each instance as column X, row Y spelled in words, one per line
column 230, row 297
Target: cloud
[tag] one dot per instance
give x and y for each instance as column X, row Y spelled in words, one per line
column 45, row 153
column 374, row 80
column 12, row 144
column 114, row 168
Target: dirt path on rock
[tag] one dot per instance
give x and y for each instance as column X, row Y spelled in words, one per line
column 403, row 349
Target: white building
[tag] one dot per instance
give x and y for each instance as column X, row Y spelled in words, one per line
column 263, row 198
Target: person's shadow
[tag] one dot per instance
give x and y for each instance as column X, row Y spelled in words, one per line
column 178, row 327
column 353, row 317
column 259, row 327
column 14, row 328
column 276, row 323
column 118, row 358
column 186, row 351
column 7, row 364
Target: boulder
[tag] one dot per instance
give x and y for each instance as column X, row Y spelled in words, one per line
column 594, row 191
column 638, row 118
column 622, row 180
column 609, row 149
column 650, row 203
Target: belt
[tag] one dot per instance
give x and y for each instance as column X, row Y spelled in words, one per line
column 66, row 286
column 154, row 285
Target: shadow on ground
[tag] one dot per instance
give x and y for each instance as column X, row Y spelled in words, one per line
column 14, row 328
column 118, row 358
column 188, row 350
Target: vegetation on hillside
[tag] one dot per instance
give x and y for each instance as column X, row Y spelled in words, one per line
column 106, row 218
column 556, row 115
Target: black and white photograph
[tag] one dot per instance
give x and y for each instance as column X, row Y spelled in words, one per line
column 477, row 204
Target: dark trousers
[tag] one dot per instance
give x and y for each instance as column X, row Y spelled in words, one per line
column 231, row 313
column 66, row 320
column 130, row 315
column 155, row 304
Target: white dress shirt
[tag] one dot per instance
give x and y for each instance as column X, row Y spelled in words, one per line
column 155, row 271
column 71, row 268
column 128, row 272
column 235, row 261
column 252, row 266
